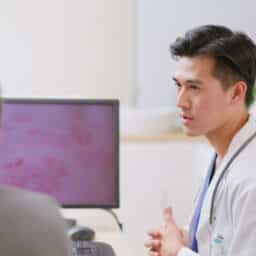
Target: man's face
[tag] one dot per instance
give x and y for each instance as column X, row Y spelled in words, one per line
column 203, row 103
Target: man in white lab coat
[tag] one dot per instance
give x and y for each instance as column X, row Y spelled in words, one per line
column 215, row 76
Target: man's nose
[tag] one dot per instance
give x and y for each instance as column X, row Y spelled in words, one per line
column 183, row 100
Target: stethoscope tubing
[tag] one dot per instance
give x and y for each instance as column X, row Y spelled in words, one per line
column 241, row 148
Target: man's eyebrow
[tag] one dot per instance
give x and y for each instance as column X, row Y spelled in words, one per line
column 189, row 81
column 193, row 81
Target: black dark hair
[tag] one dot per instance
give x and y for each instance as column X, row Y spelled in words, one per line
column 234, row 54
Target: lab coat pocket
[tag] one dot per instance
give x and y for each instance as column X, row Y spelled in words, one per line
column 218, row 245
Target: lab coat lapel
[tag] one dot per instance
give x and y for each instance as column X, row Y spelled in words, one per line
column 204, row 231
column 205, row 212
column 245, row 132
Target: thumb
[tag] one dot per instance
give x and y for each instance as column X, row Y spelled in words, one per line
column 168, row 216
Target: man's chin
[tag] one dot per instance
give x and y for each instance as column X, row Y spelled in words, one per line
column 190, row 132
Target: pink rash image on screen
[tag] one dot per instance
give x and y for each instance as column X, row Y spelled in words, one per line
column 64, row 150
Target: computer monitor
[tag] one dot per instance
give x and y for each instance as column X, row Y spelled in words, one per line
column 66, row 148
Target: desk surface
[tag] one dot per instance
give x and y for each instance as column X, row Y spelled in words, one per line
column 105, row 226
column 170, row 137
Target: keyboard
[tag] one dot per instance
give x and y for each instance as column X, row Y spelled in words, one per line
column 91, row 248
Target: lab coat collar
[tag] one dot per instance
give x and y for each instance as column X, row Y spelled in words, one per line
column 241, row 136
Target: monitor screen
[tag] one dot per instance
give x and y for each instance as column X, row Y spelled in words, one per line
column 68, row 149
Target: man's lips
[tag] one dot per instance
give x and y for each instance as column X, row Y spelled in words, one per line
column 186, row 117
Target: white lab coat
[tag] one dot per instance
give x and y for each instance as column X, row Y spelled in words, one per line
column 233, row 232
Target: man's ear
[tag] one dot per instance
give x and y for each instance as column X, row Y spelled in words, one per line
column 238, row 92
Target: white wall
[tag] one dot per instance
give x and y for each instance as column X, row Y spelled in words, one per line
column 67, row 48
column 160, row 22
column 98, row 48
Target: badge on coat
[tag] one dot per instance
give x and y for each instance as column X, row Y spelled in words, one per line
column 217, row 248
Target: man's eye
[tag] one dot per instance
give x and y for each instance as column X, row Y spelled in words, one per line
column 178, row 86
column 194, row 87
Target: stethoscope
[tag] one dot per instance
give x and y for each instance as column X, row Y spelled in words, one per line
column 225, row 169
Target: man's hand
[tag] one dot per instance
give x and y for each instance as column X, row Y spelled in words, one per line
column 154, row 243
column 168, row 240
column 172, row 236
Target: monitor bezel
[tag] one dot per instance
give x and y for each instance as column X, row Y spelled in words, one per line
column 115, row 104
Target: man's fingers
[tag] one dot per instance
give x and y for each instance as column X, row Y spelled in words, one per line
column 168, row 215
column 154, row 233
column 153, row 247
column 152, row 253
column 153, row 244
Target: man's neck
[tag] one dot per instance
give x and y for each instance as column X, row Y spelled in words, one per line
column 221, row 138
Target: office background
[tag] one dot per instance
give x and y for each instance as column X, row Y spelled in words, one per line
column 118, row 49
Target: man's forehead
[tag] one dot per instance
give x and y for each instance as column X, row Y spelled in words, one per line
column 190, row 68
